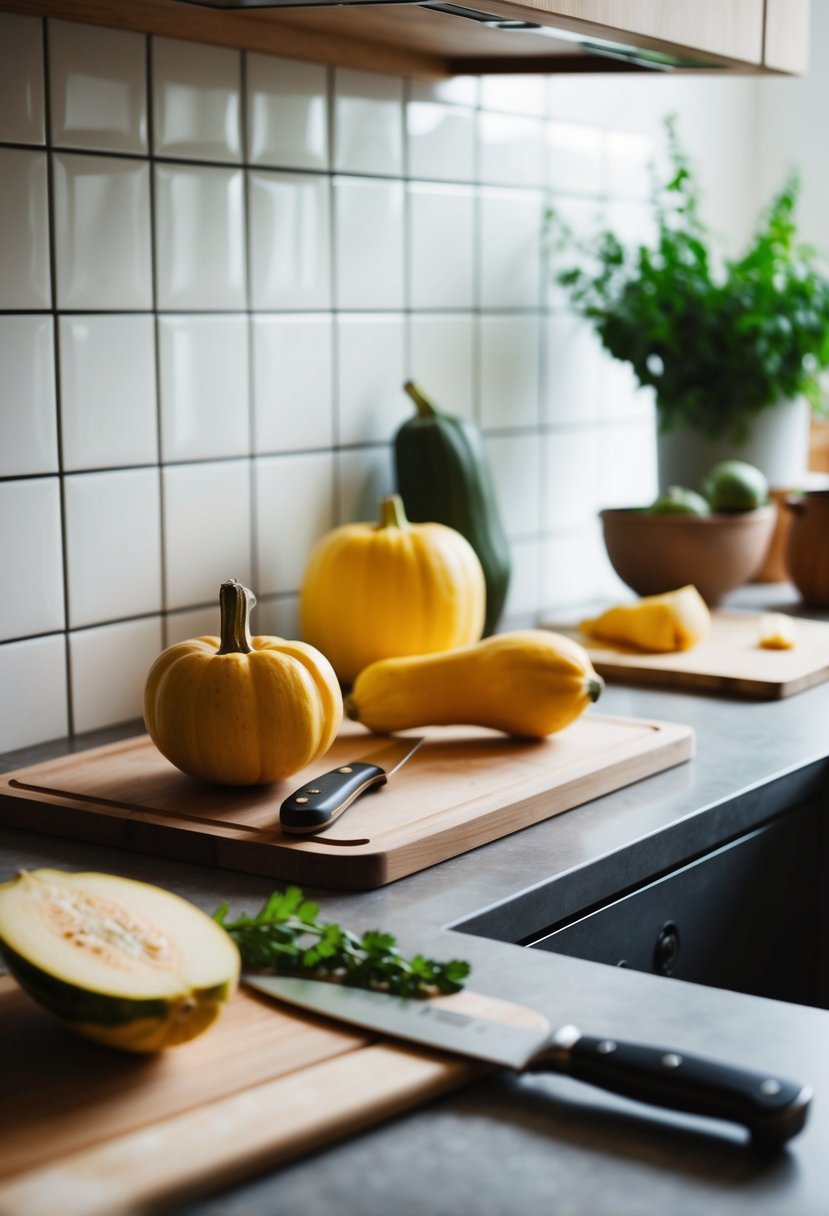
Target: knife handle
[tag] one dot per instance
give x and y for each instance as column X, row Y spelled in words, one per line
column 318, row 803
column 773, row 1109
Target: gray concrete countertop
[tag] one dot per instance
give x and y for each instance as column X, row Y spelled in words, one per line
column 546, row 1146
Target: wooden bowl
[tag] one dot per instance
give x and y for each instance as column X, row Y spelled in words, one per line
column 717, row 553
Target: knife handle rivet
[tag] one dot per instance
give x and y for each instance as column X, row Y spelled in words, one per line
column 606, row 1047
column 345, row 769
column 300, row 799
column 313, row 790
column 770, row 1087
column 671, row 1059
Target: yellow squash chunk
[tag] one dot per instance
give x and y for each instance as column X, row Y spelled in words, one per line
column 777, row 632
column 675, row 620
column 124, row 963
column 528, row 683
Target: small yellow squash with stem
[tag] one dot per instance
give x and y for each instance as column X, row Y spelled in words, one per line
column 376, row 591
column 529, row 683
column 241, row 710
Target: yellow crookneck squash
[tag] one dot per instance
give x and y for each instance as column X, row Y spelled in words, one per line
column 376, row 591
column 241, row 710
column 529, row 683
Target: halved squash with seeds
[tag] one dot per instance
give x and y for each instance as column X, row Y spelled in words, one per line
column 122, row 962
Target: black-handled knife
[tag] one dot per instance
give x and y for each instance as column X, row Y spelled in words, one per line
column 772, row 1108
column 320, row 802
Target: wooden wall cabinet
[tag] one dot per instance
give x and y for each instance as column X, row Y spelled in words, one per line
column 732, row 36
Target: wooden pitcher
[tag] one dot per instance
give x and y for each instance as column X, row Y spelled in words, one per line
column 807, row 545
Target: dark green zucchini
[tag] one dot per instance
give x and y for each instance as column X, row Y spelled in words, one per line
column 443, row 477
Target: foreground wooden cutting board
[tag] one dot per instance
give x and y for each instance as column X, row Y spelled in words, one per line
column 463, row 788
column 86, row 1131
column 728, row 661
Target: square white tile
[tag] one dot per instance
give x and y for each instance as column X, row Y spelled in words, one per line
column 107, row 418
column 620, row 394
column 102, row 232
column 113, row 545
column 28, row 429
column 523, row 594
column 368, row 122
column 31, row 557
column 203, row 386
column 97, row 87
column 278, row 618
column 509, row 371
column 195, row 623
column 574, row 362
column 293, row 382
column 441, row 141
column 294, row 508
column 516, row 473
column 371, row 369
column 369, row 243
column 364, row 476
column 33, row 700
column 207, row 529
column 510, row 250
column 511, row 149
column 290, row 240
column 574, row 570
column 516, row 94
column 441, row 246
column 627, row 465
column 575, row 157
column 200, row 247
column 442, row 360
column 287, row 112
column 450, row 90
column 629, row 164
column 128, row 647
column 24, row 224
column 22, row 118
column 197, row 93
column 571, row 486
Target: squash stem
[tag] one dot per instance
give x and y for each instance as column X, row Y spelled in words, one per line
column 235, row 604
column 425, row 407
column 392, row 512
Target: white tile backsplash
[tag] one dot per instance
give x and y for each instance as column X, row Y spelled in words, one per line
column 199, row 237
column 22, row 104
column 102, row 232
column 113, row 545
column 287, row 113
column 28, row 419
column 97, row 87
column 369, row 243
column 204, row 350
column 203, row 386
column 196, row 100
column 108, row 418
column 368, row 123
column 290, row 240
column 24, row 223
column 31, row 557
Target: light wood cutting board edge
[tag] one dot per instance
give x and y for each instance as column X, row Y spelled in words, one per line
column 262, row 1127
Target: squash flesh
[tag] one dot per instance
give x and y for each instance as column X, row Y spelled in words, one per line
column 119, row 961
column 675, row 620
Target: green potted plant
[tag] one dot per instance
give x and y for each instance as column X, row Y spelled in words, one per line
column 733, row 349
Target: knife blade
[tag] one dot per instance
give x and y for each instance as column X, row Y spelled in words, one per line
column 321, row 801
column 772, row 1108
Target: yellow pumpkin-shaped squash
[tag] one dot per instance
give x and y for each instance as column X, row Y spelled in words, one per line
column 241, row 710
column 377, row 591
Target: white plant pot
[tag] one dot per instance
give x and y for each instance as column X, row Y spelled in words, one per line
column 778, row 445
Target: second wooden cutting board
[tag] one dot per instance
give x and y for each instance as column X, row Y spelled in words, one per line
column 463, row 788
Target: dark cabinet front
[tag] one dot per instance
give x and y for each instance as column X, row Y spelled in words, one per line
column 748, row 916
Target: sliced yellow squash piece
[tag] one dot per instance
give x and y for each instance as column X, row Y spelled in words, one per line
column 675, row 620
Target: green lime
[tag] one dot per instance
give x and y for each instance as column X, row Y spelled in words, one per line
column 677, row 500
column 735, row 485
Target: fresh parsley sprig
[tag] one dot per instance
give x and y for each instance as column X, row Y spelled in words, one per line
column 287, row 937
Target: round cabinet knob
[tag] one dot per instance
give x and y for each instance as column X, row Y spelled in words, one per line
column 666, row 949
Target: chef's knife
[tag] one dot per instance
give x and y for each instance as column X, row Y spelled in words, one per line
column 318, row 803
column 772, row 1108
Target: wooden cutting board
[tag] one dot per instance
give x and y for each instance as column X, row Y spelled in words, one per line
column 728, row 661
column 86, row 1131
column 463, row 788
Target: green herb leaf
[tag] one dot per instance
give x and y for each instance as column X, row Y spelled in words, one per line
column 286, row 936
